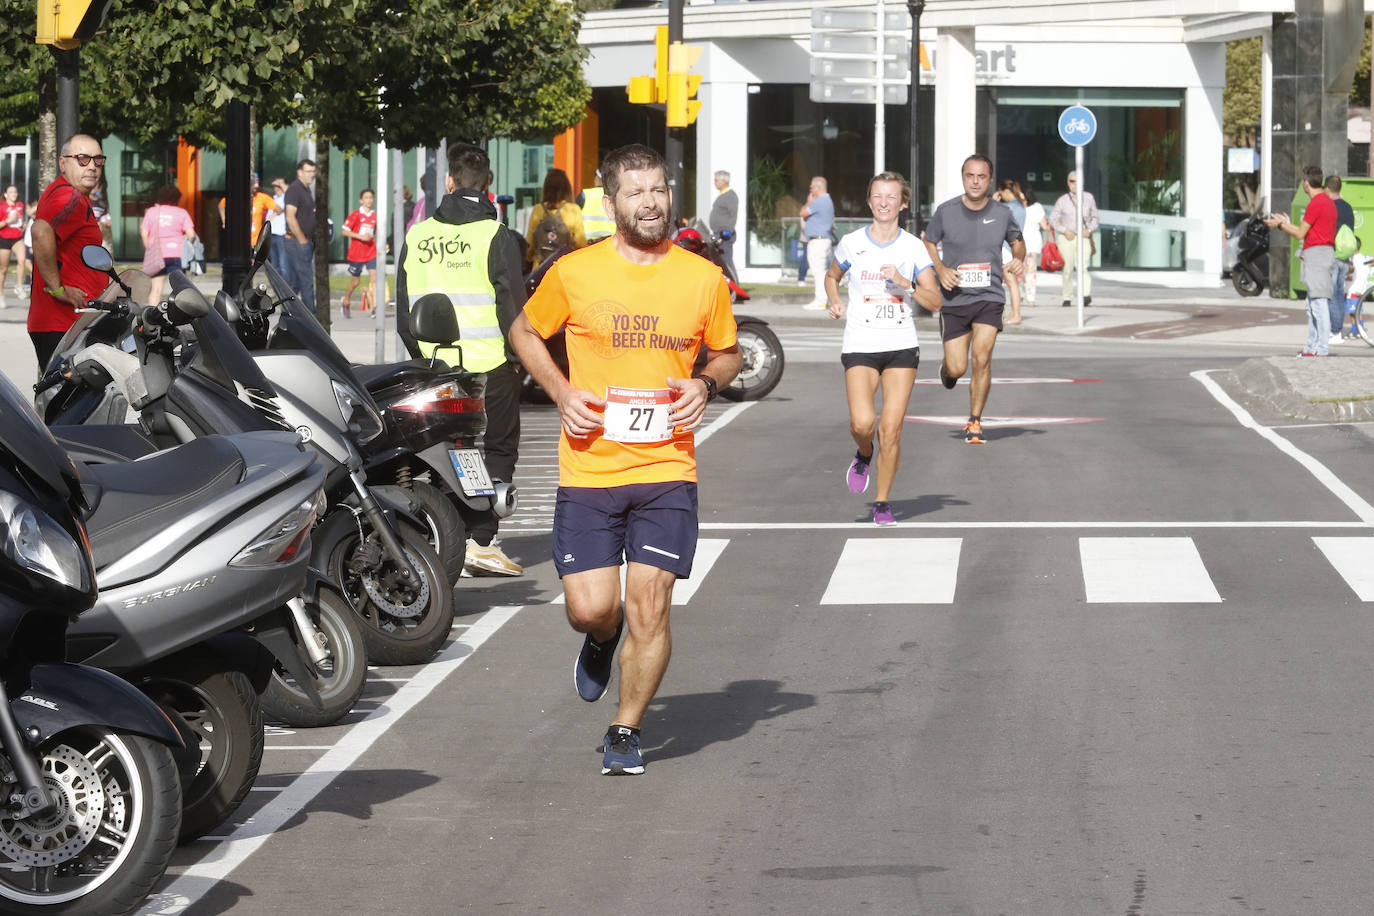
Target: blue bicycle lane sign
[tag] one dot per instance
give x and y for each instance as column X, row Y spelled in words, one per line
column 1077, row 125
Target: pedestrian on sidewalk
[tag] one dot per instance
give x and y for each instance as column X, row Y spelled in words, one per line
column 970, row 231
column 1033, row 232
column 818, row 223
column 62, row 226
column 1317, row 232
column 1067, row 225
column 300, row 234
column 164, row 227
column 1008, row 196
column 637, row 308
column 888, row 268
column 1345, row 216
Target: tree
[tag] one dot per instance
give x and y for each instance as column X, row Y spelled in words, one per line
column 1240, row 100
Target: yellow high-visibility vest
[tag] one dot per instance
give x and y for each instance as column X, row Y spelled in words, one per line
column 594, row 219
column 452, row 259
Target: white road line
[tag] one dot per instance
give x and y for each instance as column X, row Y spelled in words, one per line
column 708, row 551
column 1353, row 558
column 1144, row 571
column 895, row 571
column 1353, row 501
column 1003, row 526
column 723, row 420
column 194, row 883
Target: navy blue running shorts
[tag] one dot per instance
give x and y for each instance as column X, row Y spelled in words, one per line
column 356, row 268
column 956, row 323
column 650, row 523
column 909, row 358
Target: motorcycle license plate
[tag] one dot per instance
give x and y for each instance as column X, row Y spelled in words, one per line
column 472, row 472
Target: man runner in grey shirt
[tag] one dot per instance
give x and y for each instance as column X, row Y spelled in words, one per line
column 969, row 231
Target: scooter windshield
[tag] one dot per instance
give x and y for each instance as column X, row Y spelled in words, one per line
column 220, row 355
column 33, row 449
column 298, row 329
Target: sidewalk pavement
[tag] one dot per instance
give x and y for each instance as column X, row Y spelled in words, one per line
column 1339, row 388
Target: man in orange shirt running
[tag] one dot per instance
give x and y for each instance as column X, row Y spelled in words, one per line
column 636, row 309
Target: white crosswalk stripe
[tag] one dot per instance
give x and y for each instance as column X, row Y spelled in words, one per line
column 1353, row 558
column 895, row 571
column 1144, row 571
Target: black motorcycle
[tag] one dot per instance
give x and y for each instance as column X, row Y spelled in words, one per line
column 1250, row 273
column 92, row 798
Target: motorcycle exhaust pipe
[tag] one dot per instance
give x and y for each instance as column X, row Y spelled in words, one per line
column 505, row 501
column 314, row 641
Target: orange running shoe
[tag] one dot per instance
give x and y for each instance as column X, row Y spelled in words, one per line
column 973, row 432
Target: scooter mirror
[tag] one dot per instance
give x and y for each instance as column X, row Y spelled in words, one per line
column 97, row 258
column 190, row 304
column 226, row 306
column 432, row 319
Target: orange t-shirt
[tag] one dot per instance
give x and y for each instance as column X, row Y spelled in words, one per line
column 631, row 326
column 262, row 203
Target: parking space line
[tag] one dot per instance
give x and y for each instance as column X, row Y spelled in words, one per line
column 194, row 883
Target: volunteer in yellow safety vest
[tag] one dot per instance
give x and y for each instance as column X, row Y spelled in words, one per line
column 595, row 222
column 464, row 252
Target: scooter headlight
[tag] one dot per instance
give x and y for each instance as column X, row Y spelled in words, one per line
column 32, row 540
column 286, row 539
column 360, row 415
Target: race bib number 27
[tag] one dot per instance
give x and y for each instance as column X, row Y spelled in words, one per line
column 638, row 414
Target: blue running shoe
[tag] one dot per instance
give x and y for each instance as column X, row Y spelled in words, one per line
column 621, row 752
column 857, row 477
column 592, row 670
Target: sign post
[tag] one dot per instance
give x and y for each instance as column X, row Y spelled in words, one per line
column 1077, row 127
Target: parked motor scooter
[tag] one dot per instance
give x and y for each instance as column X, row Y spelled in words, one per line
column 1250, row 273
column 92, row 802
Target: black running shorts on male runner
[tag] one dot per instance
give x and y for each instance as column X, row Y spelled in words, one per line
column 958, row 322
column 887, row 359
column 650, row 523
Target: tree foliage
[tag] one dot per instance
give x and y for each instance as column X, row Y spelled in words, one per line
column 474, row 69
column 1240, row 100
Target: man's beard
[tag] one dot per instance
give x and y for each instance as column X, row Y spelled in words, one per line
column 631, row 230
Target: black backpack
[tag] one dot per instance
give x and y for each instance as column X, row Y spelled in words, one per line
column 550, row 235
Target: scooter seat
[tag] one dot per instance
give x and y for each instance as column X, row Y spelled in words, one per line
column 135, row 500
column 381, row 375
column 99, row 443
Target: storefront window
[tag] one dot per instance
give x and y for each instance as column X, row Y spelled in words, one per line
column 1133, row 165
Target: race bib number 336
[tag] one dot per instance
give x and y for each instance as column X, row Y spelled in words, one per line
column 638, row 414
column 975, row 276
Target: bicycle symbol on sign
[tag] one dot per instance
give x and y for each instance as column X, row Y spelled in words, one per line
column 1077, row 126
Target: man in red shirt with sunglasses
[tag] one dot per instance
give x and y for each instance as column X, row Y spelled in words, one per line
column 64, row 224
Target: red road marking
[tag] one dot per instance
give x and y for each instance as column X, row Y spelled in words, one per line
column 1018, row 381
column 998, row 422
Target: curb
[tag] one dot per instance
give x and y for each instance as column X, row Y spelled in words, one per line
column 1263, row 380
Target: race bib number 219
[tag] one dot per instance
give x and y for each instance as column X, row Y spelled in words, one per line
column 638, row 414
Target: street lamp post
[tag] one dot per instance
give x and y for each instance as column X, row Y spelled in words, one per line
column 915, row 8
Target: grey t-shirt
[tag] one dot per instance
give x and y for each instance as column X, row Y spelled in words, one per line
column 971, row 243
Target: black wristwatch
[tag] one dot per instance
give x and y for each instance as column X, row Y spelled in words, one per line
column 710, row 386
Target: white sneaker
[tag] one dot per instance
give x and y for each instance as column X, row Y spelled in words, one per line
column 490, row 559
column 1335, row 339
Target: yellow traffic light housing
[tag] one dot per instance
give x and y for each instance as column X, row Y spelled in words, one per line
column 661, row 66
column 67, row 23
column 682, row 86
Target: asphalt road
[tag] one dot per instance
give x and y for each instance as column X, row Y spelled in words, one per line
column 1114, row 661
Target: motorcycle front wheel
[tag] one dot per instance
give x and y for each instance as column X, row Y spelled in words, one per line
column 221, row 708
column 1245, row 282
column 761, row 364
column 341, row 677
column 405, row 622
column 114, row 831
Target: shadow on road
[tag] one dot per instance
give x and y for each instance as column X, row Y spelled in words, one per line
column 921, row 505
column 702, row 719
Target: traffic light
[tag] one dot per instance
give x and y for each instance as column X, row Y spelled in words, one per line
column 67, row 23
column 650, row 90
column 682, row 86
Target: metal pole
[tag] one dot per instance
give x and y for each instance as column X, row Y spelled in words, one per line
column 672, row 136
column 68, row 93
column 1078, row 234
column 238, row 180
column 1265, row 136
column 398, row 236
column 915, row 8
column 379, row 294
column 880, row 107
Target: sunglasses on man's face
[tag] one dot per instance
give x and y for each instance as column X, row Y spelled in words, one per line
column 83, row 159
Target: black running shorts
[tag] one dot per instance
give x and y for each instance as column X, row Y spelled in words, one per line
column 958, row 322
column 887, row 359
